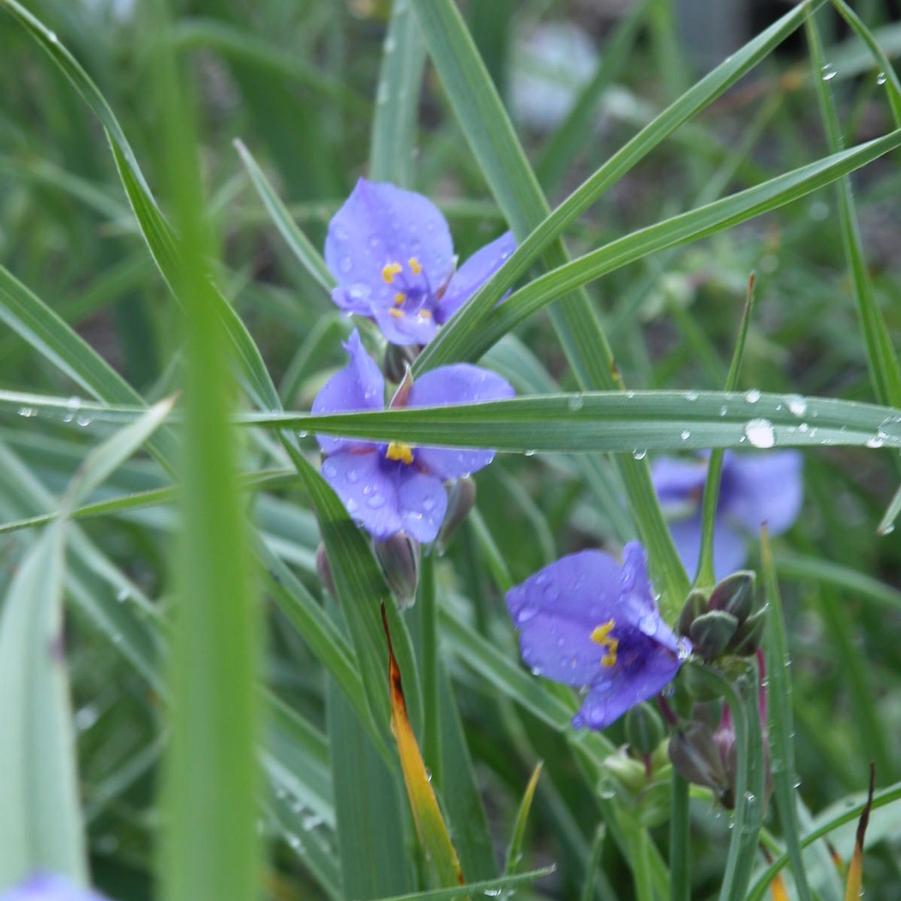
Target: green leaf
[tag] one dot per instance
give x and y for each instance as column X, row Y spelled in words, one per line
column 849, row 813
column 507, row 172
column 885, row 372
column 623, row 422
column 299, row 244
column 489, row 887
column 393, row 138
column 690, row 226
column 506, row 169
column 514, row 850
column 781, row 727
column 40, row 819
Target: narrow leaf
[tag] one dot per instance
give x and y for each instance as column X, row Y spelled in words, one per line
column 430, row 825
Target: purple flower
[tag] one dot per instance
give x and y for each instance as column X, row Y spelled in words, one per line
column 397, row 487
column 391, row 253
column 754, row 489
column 49, row 888
column 586, row 621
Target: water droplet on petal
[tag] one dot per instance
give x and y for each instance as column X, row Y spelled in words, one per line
column 760, row 432
column 524, row 614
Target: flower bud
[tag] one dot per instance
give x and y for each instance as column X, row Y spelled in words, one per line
column 696, row 757
column 695, row 605
column 324, row 571
column 734, row 595
column 461, row 498
column 399, row 557
column 644, row 729
column 398, row 359
column 749, row 635
column 711, row 632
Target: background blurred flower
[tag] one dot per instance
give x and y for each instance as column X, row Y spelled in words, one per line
column 396, row 487
column 550, row 66
column 754, row 489
column 49, row 888
column 392, row 255
column 586, row 621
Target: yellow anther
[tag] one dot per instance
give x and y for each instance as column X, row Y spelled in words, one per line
column 601, row 635
column 425, row 314
column 389, row 270
column 397, row 314
column 399, row 298
column 415, row 265
column 398, row 451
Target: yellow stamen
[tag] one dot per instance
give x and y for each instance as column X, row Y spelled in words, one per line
column 601, row 635
column 425, row 314
column 389, row 270
column 397, row 314
column 398, row 451
column 415, row 265
column 399, row 298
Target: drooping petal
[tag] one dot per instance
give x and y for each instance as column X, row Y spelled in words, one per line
column 473, row 274
column 457, row 384
column 422, row 502
column 628, row 682
column 679, row 481
column 49, row 888
column 381, row 224
column 367, row 488
column 763, row 488
column 729, row 551
column 359, row 386
column 404, row 328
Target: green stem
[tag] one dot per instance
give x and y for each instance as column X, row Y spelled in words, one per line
column 706, row 575
column 679, row 847
column 429, row 666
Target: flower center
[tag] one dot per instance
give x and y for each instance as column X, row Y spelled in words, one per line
column 396, row 450
column 407, row 289
column 601, row 635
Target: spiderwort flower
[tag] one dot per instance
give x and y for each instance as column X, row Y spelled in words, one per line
column 397, row 487
column 586, row 621
column 391, row 253
column 754, row 489
column 49, row 888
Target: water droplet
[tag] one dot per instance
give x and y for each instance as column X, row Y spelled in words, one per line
column 52, row 37
column 752, row 396
column 72, row 406
column 797, row 405
column 760, row 432
column 83, row 421
column 724, row 410
column 881, row 78
column 530, row 453
column 639, row 454
column 575, row 403
column 122, row 595
column 353, row 475
column 428, row 504
column 828, row 72
column 85, row 717
column 691, row 395
column 524, row 614
column 377, row 500
column 685, row 434
column 351, row 505
column 27, row 412
column 875, row 441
